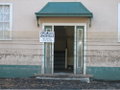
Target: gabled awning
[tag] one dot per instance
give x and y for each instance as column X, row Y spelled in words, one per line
column 64, row 9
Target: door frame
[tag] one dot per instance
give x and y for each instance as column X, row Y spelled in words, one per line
column 85, row 45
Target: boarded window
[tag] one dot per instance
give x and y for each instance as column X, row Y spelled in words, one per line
column 5, row 22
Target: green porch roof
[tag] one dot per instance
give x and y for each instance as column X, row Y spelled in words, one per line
column 64, row 9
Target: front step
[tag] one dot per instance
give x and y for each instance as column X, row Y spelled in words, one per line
column 81, row 77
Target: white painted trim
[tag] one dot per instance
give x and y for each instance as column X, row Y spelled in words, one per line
column 72, row 24
column 85, row 48
column 11, row 19
column 64, row 24
column 42, row 63
column 5, row 3
column 75, row 65
column 53, row 53
column 119, row 22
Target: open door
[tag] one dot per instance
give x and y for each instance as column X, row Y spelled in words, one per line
column 79, row 49
column 78, row 57
column 48, row 53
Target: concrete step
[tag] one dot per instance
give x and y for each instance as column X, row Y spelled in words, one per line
column 80, row 77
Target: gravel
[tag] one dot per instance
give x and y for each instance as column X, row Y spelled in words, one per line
column 33, row 83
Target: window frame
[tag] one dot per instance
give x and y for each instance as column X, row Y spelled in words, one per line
column 11, row 14
column 118, row 22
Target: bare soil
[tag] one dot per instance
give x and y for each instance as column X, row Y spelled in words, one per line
column 33, row 83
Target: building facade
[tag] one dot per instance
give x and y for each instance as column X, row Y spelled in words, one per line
column 87, row 38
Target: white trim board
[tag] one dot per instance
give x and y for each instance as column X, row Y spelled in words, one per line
column 64, row 24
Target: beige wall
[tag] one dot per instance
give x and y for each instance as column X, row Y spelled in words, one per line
column 101, row 36
column 104, row 11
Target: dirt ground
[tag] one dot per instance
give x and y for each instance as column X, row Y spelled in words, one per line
column 33, row 83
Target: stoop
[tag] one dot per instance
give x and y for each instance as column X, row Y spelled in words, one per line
column 62, row 76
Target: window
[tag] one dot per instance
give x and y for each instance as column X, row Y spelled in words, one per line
column 119, row 22
column 5, row 21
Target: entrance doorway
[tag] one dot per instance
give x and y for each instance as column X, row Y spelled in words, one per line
column 64, row 49
column 67, row 53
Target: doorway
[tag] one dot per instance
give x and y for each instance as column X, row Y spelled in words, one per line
column 63, row 49
column 67, row 53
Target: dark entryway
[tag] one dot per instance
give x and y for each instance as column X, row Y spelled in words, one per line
column 64, row 49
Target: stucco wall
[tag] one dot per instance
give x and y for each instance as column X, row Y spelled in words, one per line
column 24, row 48
column 104, row 12
column 20, row 53
column 103, row 50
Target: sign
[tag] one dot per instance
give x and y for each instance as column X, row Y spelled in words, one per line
column 47, row 36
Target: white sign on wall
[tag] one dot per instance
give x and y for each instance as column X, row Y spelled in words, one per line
column 47, row 36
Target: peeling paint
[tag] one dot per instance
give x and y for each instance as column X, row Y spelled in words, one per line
column 20, row 57
column 106, row 58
